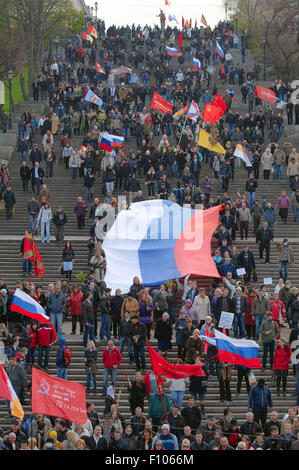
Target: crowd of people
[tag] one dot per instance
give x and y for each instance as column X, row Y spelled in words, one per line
column 158, row 149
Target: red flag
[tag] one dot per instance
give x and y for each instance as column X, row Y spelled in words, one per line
column 31, row 252
column 162, row 17
column 58, row 397
column 219, row 102
column 204, row 21
column 212, row 113
column 180, row 39
column 160, row 104
column 183, row 22
column 161, row 366
column 265, row 94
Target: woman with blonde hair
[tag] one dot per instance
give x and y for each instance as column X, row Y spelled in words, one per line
column 136, row 287
column 137, row 392
column 91, row 356
column 116, row 422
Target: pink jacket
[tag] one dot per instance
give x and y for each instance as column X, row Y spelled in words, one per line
column 283, row 203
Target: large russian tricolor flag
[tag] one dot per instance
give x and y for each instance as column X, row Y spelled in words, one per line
column 25, row 305
column 106, row 142
column 172, row 51
column 159, row 240
column 235, row 351
column 219, row 51
column 196, row 64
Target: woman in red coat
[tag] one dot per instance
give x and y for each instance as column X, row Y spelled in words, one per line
column 282, row 357
column 75, row 304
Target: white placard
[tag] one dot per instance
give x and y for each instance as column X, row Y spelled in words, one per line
column 226, row 320
column 2, row 92
column 241, row 272
column 268, row 281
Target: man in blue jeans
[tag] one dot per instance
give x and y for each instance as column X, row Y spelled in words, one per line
column 260, row 306
column 112, row 359
column 56, row 304
column 105, row 310
column 240, row 307
column 269, row 333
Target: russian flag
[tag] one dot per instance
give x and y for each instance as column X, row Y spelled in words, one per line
column 194, row 112
column 25, row 305
column 235, row 351
column 106, row 142
column 219, row 51
column 196, row 64
column 159, row 240
column 116, row 140
column 172, row 51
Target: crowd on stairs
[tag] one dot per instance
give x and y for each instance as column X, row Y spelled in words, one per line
column 160, row 150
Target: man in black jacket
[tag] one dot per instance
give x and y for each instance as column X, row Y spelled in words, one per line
column 137, row 333
column 10, row 200
column 263, row 237
column 59, row 220
column 239, row 308
column 116, row 303
column 37, row 174
column 105, row 309
column 96, row 441
column 191, row 414
column 246, row 260
column 124, row 332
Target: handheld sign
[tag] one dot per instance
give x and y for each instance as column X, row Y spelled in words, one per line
column 268, row 281
column 241, row 272
column 226, row 320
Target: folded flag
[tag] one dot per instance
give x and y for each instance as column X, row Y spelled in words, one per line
column 99, row 69
column 196, row 64
column 235, row 351
column 160, row 104
column 181, row 112
column 159, row 240
column 219, row 51
column 219, row 101
column 161, row 366
column 31, row 252
column 204, row 21
column 193, row 112
column 91, row 30
column 106, row 142
column 172, row 51
column 212, row 113
column 265, row 94
column 7, row 392
column 93, row 98
column 244, row 154
column 25, row 305
column 207, row 141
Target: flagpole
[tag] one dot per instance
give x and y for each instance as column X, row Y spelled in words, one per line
column 158, row 388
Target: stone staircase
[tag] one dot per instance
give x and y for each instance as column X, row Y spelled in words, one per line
column 64, row 192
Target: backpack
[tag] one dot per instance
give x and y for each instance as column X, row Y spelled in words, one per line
column 67, row 357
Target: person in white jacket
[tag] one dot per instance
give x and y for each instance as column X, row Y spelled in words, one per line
column 202, row 305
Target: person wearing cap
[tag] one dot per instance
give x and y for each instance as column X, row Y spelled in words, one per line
column 209, row 428
column 259, row 401
column 269, row 333
column 169, row 440
column 56, row 444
